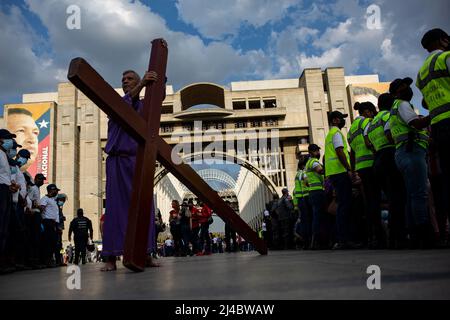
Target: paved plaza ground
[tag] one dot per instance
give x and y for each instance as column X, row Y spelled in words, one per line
column 287, row 275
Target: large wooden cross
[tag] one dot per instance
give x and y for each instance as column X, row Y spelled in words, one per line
column 144, row 128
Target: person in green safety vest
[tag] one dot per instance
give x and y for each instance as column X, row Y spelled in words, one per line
column 362, row 159
column 411, row 143
column 301, row 199
column 317, row 198
column 386, row 173
column 433, row 81
column 340, row 173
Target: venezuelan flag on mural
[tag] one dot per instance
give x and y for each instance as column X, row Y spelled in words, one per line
column 33, row 125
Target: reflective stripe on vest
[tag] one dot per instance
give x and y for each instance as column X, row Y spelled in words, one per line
column 364, row 156
column 376, row 132
column 433, row 81
column 332, row 163
column 315, row 180
column 401, row 131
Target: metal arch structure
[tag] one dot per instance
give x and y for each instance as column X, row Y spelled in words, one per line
column 224, row 157
column 216, row 175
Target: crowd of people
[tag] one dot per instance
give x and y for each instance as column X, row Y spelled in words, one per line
column 31, row 226
column 392, row 159
column 384, row 185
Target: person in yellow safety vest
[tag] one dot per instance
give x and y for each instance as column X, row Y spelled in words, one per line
column 411, row 142
column 433, row 81
column 340, row 173
column 317, row 198
column 301, row 193
column 386, row 172
column 362, row 159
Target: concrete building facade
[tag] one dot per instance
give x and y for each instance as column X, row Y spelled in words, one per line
column 291, row 112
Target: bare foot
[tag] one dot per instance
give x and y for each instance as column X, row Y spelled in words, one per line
column 109, row 266
column 150, row 263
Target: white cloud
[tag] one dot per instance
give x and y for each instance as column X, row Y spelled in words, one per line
column 219, row 18
column 22, row 68
column 113, row 38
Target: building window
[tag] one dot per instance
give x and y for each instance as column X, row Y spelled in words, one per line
column 254, row 104
column 239, row 105
column 167, row 109
column 270, row 103
column 188, row 126
column 240, row 124
column 256, row 123
column 166, row 128
column 271, row 122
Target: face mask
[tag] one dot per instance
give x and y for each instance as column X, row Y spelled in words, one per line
column 7, row 144
column 22, row 161
column 12, row 153
column 341, row 123
column 60, row 203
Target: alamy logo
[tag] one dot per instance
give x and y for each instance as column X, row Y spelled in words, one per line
column 74, row 280
column 374, row 280
column 373, row 16
column 74, row 19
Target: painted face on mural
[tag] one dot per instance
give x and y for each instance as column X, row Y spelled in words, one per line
column 27, row 133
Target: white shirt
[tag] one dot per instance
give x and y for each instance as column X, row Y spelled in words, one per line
column 264, row 227
column 5, row 171
column 51, row 210
column 338, row 142
column 168, row 242
column 266, row 213
column 406, row 112
column 34, row 194
column 20, row 180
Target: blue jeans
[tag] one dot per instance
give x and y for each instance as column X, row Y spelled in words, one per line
column 343, row 188
column 414, row 169
column 317, row 200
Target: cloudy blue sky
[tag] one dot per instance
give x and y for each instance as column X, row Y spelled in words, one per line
column 210, row 40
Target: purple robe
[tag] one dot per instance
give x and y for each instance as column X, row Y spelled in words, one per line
column 120, row 165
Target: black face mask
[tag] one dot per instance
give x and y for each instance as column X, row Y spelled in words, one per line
column 341, row 123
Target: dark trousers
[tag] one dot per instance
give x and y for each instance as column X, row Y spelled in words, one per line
column 343, row 188
column 19, row 236
column 391, row 182
column 230, row 237
column 305, row 219
column 205, row 240
column 5, row 216
column 186, row 237
column 285, row 230
column 80, row 248
column 33, row 227
column 177, row 239
column 195, row 239
column 440, row 132
column 372, row 205
column 437, row 188
column 49, row 239
column 317, row 199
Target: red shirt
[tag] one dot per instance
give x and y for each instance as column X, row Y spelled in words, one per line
column 195, row 217
column 206, row 214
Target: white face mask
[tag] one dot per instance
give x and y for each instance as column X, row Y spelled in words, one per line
column 12, row 153
column 22, row 161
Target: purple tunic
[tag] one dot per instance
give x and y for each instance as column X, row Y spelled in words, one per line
column 120, row 165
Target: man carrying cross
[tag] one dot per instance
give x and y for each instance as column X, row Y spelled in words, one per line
column 120, row 165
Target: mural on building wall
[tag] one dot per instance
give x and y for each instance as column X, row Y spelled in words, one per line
column 369, row 91
column 32, row 124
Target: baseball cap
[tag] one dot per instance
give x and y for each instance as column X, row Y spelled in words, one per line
column 393, row 87
column 24, row 153
column 433, row 35
column 40, row 176
column 337, row 114
column 313, row 147
column 5, row 134
column 52, row 187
